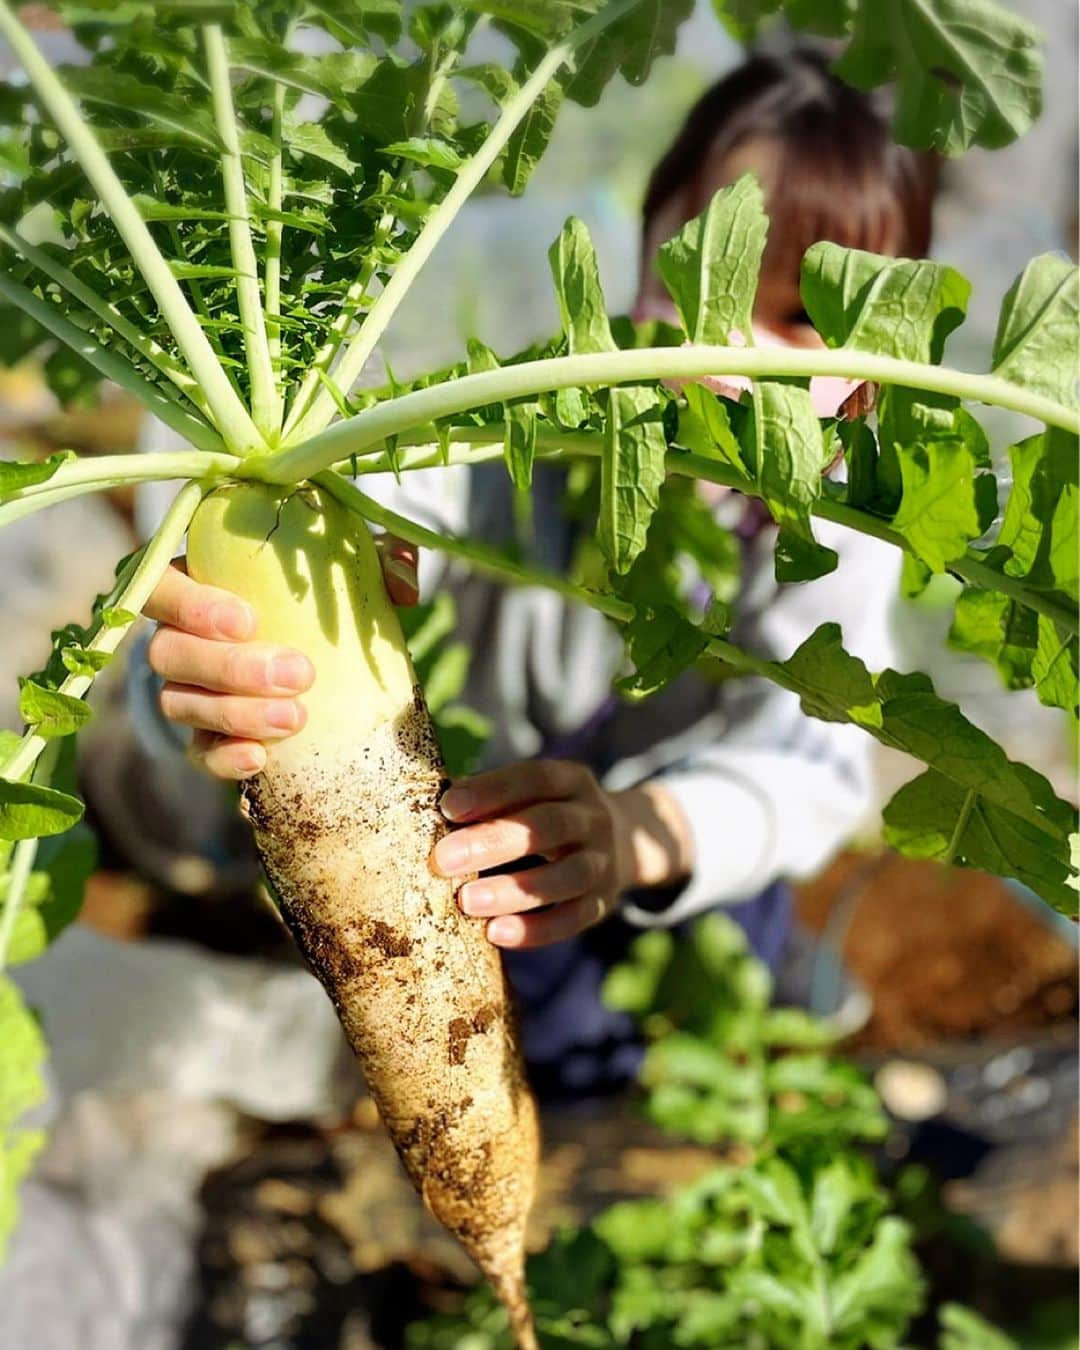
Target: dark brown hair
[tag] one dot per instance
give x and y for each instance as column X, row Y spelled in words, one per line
column 838, row 174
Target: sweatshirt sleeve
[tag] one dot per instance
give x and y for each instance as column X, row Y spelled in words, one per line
column 779, row 792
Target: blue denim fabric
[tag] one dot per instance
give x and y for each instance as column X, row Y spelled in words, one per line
column 577, row 1048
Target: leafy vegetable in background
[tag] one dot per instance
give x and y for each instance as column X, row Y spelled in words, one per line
column 789, row 1244
column 224, row 226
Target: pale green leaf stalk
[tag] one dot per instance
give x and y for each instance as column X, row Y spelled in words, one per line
column 265, row 401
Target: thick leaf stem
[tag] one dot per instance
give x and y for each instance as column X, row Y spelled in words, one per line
column 231, row 416
column 469, row 177
column 265, row 403
column 274, row 232
column 491, row 562
column 477, row 445
column 84, row 476
column 134, row 587
column 422, row 407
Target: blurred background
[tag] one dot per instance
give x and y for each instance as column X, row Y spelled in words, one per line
column 213, row 1176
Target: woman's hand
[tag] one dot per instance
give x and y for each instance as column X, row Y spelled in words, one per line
column 237, row 692
column 596, row 846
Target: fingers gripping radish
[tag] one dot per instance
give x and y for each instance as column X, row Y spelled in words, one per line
column 345, row 817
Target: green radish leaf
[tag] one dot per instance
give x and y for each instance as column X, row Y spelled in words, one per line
column 662, row 644
column 876, row 304
column 968, row 72
column 628, row 46
column 496, row 81
column 1035, row 344
column 152, row 209
column 49, row 712
column 22, row 1087
column 521, row 443
column 327, row 76
column 883, row 1281
column 84, row 661
column 790, row 457
column 705, row 427
column 29, row 811
column 114, row 617
column 1039, row 526
column 1055, row 667
column 939, row 512
column 16, row 475
column 311, row 140
column 123, row 91
column 991, row 625
column 360, row 20
column 635, row 441
column 577, row 286
column 634, row 468
column 428, row 151
column 711, row 266
column 530, row 139
column 902, row 711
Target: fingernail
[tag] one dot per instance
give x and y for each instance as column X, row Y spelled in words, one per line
column 402, row 572
column 504, row 931
column 232, row 619
column 283, row 715
column 476, row 898
column 290, row 671
column 249, row 762
column 457, row 802
column 451, row 856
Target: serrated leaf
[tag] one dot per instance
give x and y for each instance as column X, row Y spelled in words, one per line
column 968, row 72
column 884, row 1279
column 30, row 811
column 577, row 286
column 902, row 711
column 531, row 138
column 311, row 140
column 124, row 91
column 711, row 266
column 49, row 712
column 520, row 443
column 428, row 151
column 872, row 303
column 632, row 473
column 1038, row 542
column 661, row 644
column 789, row 459
column 1035, row 345
column 938, row 513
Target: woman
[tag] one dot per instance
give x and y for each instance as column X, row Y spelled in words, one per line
column 591, row 810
